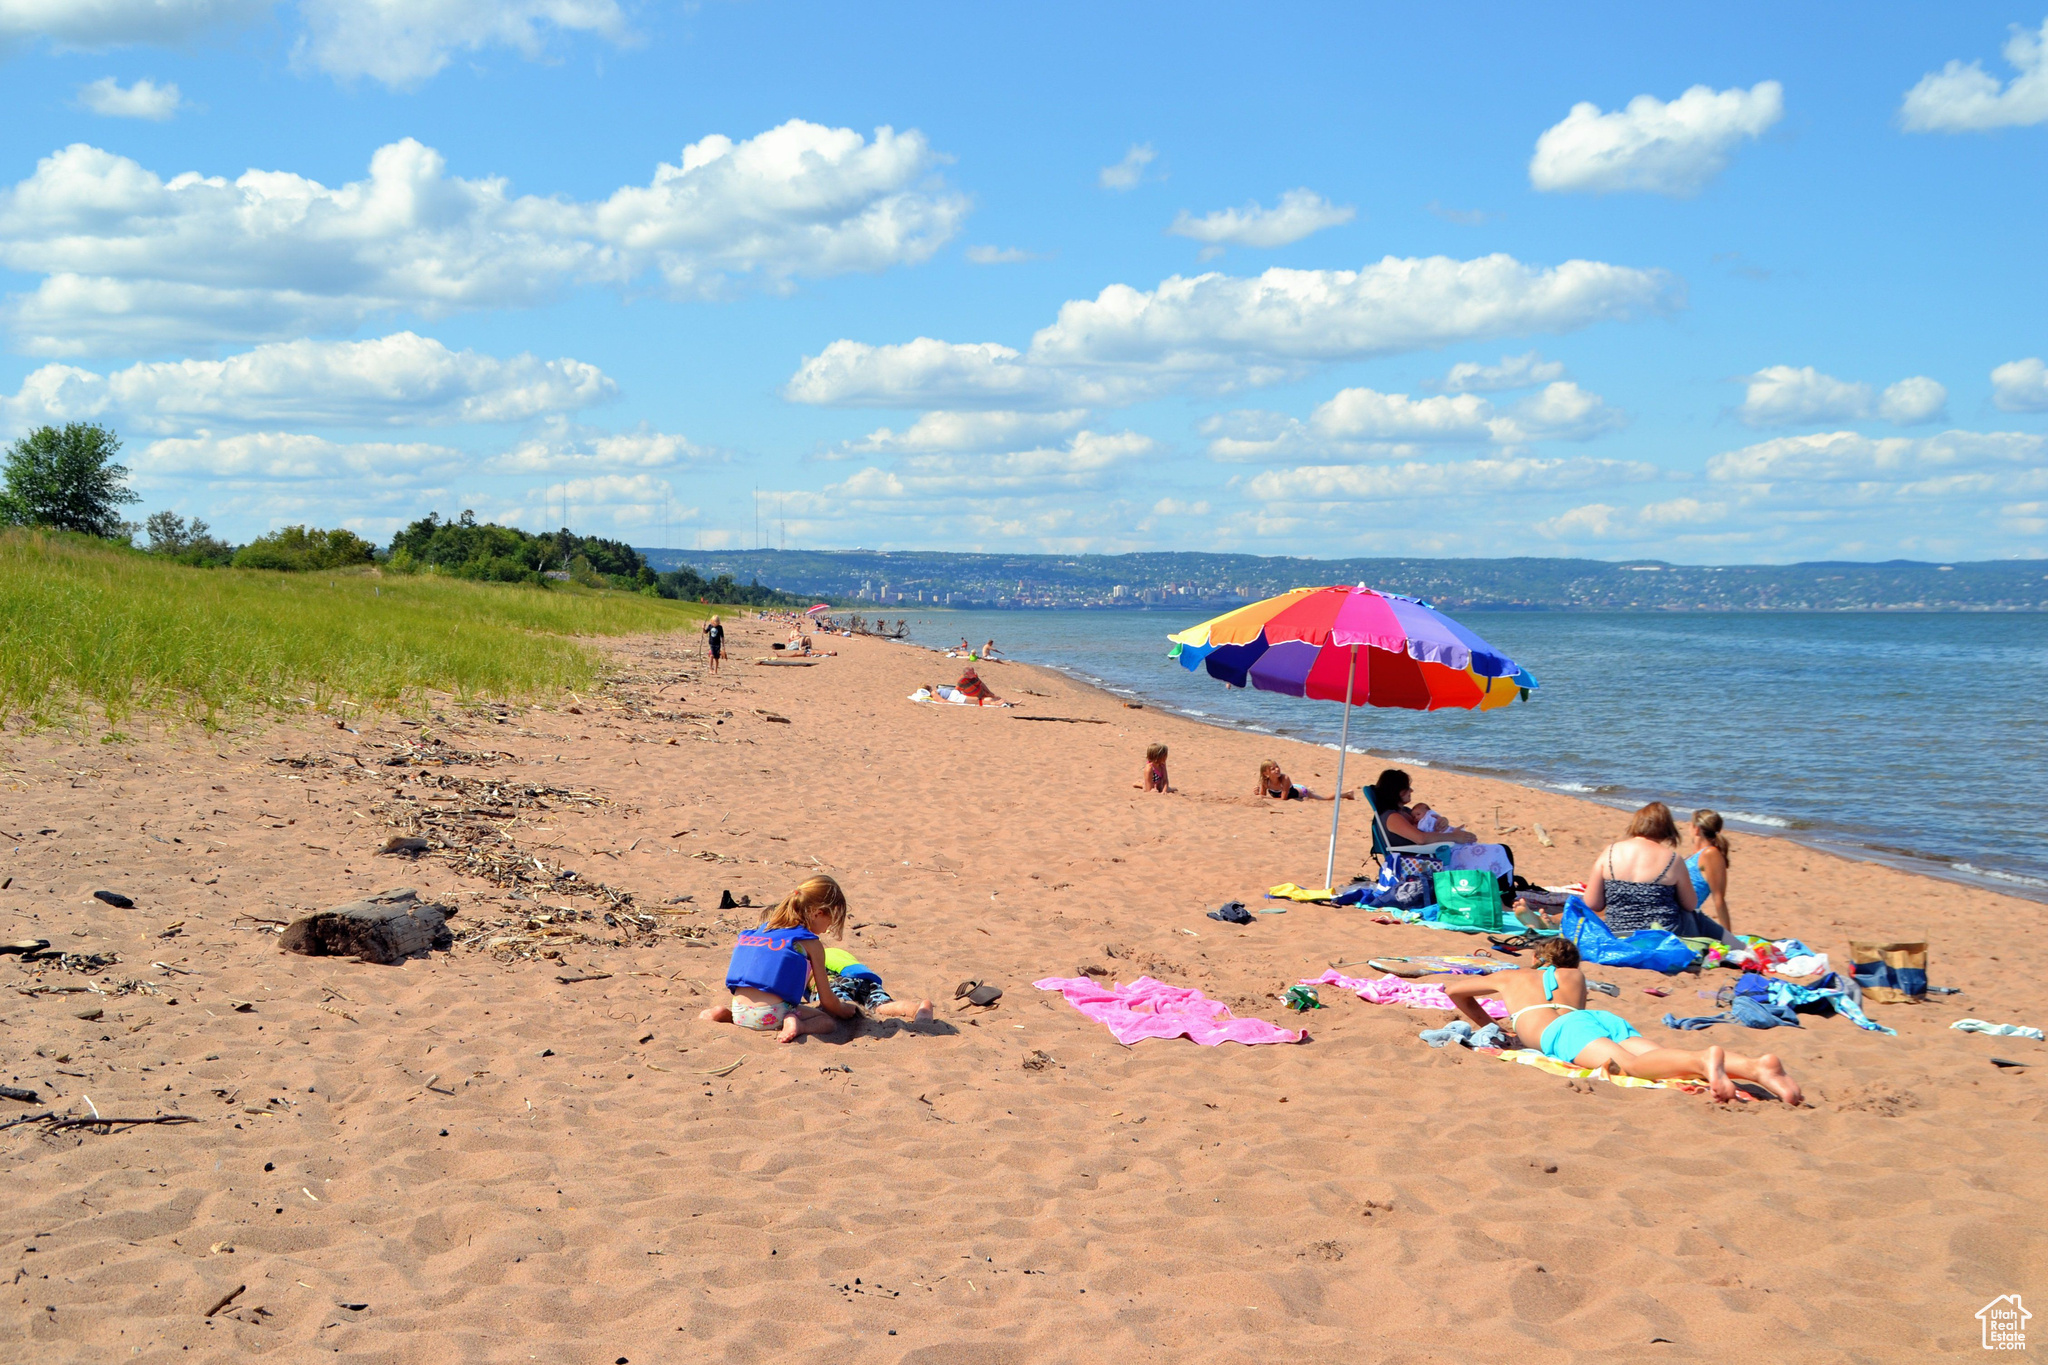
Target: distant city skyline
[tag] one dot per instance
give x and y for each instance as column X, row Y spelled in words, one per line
column 1735, row 285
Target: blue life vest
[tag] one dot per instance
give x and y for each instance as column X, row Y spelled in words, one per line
column 771, row 960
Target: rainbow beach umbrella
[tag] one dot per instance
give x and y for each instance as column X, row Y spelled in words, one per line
column 1354, row 645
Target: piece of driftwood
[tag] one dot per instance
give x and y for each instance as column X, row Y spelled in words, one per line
column 227, row 1299
column 386, row 928
column 1065, row 720
column 56, row 1123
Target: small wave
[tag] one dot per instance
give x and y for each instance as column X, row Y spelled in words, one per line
column 1579, row 787
column 1991, row 874
column 1203, row 714
column 1769, row 821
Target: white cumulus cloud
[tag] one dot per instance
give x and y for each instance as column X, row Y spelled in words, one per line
column 1523, row 371
column 1000, row 255
column 1913, row 401
column 273, row 456
column 144, row 100
column 1949, row 462
column 1604, row 521
column 1082, row 463
column 968, row 432
column 1298, row 214
column 1490, row 476
column 562, row 447
column 1673, row 148
column 1126, row 174
column 1362, row 423
column 1969, row 99
column 121, row 23
column 131, row 261
column 1786, row 395
column 403, row 42
column 397, row 42
column 1218, row 332
column 403, row 379
column 2021, row 385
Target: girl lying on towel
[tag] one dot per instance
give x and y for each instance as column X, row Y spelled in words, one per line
column 1552, row 998
column 775, row 965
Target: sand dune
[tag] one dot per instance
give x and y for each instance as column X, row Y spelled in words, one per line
column 499, row 1166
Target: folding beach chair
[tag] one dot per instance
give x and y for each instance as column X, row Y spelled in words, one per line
column 1385, row 849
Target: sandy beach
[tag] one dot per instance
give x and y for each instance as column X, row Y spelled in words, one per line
column 530, row 1148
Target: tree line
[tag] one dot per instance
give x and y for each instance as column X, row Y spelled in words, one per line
column 68, row 479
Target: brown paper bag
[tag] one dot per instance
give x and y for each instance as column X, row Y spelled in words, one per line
column 1890, row 973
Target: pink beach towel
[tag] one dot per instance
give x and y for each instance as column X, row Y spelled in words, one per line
column 1392, row 990
column 1152, row 1009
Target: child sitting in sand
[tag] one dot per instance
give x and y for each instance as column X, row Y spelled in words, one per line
column 773, row 965
column 1155, row 770
column 1563, row 1029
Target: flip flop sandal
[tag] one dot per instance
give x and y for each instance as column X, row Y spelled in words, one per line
column 1519, row 943
column 976, row 993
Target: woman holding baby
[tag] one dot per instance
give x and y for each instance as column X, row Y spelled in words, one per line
column 1409, row 822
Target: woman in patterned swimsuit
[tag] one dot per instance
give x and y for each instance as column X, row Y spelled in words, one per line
column 1638, row 883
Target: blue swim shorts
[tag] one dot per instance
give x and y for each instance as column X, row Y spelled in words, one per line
column 1566, row 1038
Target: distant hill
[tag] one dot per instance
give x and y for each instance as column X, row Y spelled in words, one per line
column 1184, row 578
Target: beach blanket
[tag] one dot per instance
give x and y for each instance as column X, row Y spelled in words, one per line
column 1392, row 990
column 1288, row 891
column 1531, row 1057
column 950, row 696
column 1152, row 1009
column 1509, row 923
column 1433, row 965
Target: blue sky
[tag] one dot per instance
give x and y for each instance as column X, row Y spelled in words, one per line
column 1742, row 285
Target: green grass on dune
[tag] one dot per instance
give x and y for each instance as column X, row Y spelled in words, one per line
column 85, row 625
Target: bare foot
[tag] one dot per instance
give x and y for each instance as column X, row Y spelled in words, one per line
column 717, row 1014
column 789, row 1029
column 924, row 1011
column 1771, row 1075
column 1717, row 1076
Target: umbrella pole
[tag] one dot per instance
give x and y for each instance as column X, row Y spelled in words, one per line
column 1343, row 748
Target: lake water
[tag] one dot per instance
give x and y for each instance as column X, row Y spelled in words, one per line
column 1905, row 737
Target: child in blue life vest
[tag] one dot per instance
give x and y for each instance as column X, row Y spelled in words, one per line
column 775, row 965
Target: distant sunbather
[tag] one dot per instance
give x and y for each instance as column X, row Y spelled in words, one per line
column 971, row 684
column 1275, row 783
column 1552, row 997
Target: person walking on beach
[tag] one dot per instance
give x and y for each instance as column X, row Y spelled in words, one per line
column 714, row 641
column 1552, row 997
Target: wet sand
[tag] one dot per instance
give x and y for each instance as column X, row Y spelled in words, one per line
column 499, row 1165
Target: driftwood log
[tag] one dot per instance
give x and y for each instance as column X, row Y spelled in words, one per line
column 386, row 928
